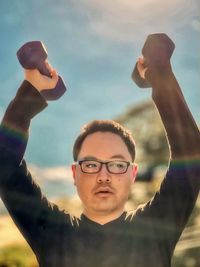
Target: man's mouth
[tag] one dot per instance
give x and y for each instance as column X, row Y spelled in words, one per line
column 103, row 192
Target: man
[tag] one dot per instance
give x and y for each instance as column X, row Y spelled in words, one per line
column 105, row 235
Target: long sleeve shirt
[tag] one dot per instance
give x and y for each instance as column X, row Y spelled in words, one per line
column 145, row 237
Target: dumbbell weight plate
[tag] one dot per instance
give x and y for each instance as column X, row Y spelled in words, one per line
column 57, row 92
column 32, row 55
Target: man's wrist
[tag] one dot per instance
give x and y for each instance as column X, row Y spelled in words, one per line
column 158, row 73
column 26, row 104
column 30, row 100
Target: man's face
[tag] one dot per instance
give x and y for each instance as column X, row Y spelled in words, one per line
column 104, row 193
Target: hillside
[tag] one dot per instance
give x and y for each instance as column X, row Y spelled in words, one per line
column 145, row 124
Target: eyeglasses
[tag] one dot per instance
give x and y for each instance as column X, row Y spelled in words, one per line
column 114, row 166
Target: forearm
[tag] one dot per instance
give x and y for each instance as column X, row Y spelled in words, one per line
column 15, row 124
column 182, row 132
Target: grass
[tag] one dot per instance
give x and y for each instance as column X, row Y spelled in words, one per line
column 17, row 256
column 14, row 251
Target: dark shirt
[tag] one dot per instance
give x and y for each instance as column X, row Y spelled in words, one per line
column 145, row 237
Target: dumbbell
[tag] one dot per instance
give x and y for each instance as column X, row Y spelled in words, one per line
column 32, row 55
column 158, row 48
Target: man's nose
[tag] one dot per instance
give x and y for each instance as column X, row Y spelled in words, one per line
column 103, row 176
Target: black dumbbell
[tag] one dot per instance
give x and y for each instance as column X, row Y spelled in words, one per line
column 157, row 49
column 32, row 55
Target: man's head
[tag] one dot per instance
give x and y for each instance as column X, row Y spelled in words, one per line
column 105, row 126
column 104, row 170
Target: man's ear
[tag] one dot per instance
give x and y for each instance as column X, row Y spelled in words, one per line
column 73, row 167
column 134, row 172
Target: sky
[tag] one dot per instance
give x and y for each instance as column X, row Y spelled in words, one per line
column 94, row 45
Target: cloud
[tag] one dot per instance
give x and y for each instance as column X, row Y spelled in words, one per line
column 57, row 173
column 196, row 25
column 55, row 182
column 125, row 20
column 1, row 113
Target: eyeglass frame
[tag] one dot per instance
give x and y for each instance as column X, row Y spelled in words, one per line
column 129, row 163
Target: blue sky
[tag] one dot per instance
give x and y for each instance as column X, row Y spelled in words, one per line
column 94, row 45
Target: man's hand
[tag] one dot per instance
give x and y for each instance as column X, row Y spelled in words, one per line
column 155, row 70
column 39, row 81
column 151, row 72
column 155, row 61
column 141, row 67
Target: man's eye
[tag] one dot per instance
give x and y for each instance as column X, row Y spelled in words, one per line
column 119, row 165
column 90, row 165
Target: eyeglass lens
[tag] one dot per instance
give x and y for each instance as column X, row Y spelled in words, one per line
column 90, row 166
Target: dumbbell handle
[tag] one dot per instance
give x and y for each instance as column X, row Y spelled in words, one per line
column 32, row 55
column 157, row 49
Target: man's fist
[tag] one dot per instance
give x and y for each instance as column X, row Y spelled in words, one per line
column 39, row 81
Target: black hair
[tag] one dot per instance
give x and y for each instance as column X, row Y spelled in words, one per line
column 104, row 126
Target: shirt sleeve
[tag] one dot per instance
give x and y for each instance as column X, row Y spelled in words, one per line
column 36, row 218
column 26, row 204
column 15, row 124
column 20, row 194
column 169, row 210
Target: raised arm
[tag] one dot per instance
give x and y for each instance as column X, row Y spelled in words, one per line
column 20, row 194
column 27, row 103
column 182, row 132
column 171, row 207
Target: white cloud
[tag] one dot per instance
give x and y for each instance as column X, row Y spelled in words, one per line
column 57, row 185
column 1, row 113
column 55, row 182
column 196, row 25
column 58, row 173
column 126, row 20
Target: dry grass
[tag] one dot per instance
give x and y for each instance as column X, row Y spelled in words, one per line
column 9, row 234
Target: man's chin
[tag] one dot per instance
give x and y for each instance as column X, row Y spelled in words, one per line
column 105, row 207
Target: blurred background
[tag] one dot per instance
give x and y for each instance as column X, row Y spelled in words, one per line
column 94, row 45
